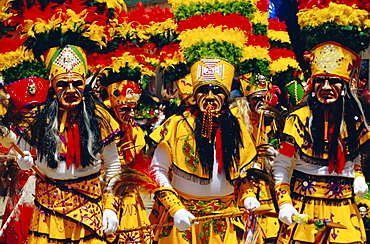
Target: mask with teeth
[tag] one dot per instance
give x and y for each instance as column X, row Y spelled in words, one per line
column 210, row 99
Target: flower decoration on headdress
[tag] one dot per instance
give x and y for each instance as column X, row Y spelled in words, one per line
column 127, row 63
column 256, row 55
column 172, row 63
column 4, row 13
column 344, row 22
column 281, row 51
column 335, row 32
column 155, row 27
column 12, row 53
column 142, row 25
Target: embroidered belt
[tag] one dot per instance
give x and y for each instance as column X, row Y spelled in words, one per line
column 209, row 205
column 324, row 187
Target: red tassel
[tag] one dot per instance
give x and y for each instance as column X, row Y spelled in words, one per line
column 219, row 150
column 73, row 146
column 341, row 159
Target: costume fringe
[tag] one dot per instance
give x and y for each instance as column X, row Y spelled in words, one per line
column 321, row 201
column 64, row 241
column 190, row 177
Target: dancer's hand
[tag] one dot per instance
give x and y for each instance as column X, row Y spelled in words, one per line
column 110, row 221
column 251, row 203
column 182, row 219
column 285, row 213
column 26, row 162
column 360, row 187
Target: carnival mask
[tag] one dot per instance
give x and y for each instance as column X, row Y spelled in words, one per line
column 69, row 89
column 125, row 93
column 257, row 101
column 328, row 88
column 124, row 97
column 124, row 114
column 210, row 98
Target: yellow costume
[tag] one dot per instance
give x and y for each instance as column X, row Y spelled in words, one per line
column 131, row 209
column 176, row 135
column 264, row 192
column 71, row 209
column 123, row 97
column 318, row 194
column 70, row 206
column 254, row 102
column 318, row 170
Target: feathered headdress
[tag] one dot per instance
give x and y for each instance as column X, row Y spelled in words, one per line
column 58, row 25
column 131, row 61
column 285, row 70
column 213, row 35
column 124, row 66
column 335, row 32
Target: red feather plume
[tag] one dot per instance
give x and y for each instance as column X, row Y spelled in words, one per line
column 136, row 176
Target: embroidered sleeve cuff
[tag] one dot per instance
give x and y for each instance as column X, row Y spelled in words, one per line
column 245, row 189
column 282, row 191
column 168, row 197
column 110, row 202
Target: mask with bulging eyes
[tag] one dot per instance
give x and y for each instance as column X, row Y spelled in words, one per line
column 124, row 96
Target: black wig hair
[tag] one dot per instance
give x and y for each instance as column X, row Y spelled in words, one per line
column 346, row 109
column 231, row 141
column 44, row 131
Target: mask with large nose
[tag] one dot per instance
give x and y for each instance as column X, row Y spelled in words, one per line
column 210, row 98
column 328, row 88
column 69, row 89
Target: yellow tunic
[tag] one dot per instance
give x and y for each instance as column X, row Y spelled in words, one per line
column 71, row 210
column 323, row 196
column 269, row 225
column 177, row 133
column 131, row 210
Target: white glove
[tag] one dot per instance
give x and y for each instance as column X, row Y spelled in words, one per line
column 110, row 221
column 285, row 213
column 182, row 219
column 251, row 203
column 360, row 187
column 26, row 162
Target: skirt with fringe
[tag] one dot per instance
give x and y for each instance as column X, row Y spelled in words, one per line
column 328, row 199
